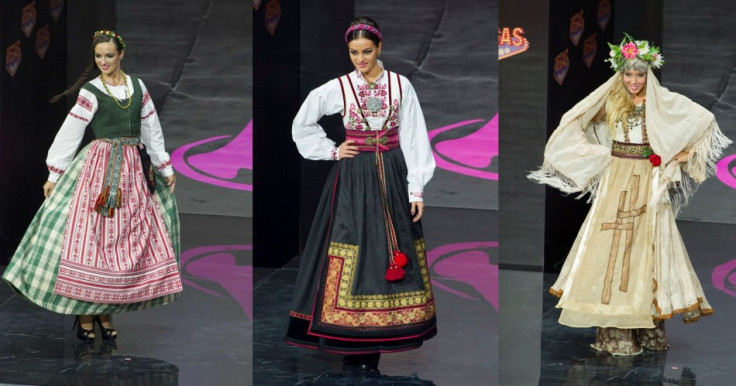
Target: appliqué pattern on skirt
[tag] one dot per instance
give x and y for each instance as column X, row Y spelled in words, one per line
column 122, row 259
column 624, row 222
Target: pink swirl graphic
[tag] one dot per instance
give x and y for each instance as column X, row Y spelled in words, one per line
column 468, row 263
column 216, row 263
column 724, row 277
column 468, row 155
column 221, row 166
column 726, row 171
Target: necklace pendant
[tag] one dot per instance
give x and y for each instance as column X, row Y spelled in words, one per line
column 374, row 104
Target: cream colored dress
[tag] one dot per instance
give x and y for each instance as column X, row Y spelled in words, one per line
column 628, row 265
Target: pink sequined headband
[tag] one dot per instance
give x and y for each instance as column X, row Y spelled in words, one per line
column 364, row 27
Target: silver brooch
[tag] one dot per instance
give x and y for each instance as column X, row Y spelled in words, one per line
column 374, row 104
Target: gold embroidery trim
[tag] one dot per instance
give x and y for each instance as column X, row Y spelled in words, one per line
column 347, row 299
column 341, row 307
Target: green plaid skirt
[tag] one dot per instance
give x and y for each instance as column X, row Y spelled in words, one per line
column 33, row 268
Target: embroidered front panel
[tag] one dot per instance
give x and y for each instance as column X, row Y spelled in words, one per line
column 379, row 91
column 342, row 307
column 372, row 106
column 355, row 121
column 634, row 128
column 393, row 120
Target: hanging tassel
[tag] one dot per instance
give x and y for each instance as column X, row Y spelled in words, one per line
column 118, row 199
column 106, row 203
column 400, row 259
column 394, row 273
column 102, row 199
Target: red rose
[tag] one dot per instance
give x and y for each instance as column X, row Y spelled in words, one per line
column 655, row 160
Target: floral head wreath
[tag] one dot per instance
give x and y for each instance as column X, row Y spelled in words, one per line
column 111, row 34
column 631, row 49
column 364, row 27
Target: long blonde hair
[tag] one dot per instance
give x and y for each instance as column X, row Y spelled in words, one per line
column 618, row 106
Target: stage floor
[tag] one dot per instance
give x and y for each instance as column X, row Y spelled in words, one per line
column 463, row 259
column 545, row 352
column 178, row 344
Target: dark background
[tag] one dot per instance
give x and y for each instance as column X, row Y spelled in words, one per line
column 454, row 75
column 28, row 123
column 539, row 224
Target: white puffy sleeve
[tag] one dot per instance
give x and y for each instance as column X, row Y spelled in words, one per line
column 309, row 136
column 152, row 136
column 70, row 134
column 414, row 142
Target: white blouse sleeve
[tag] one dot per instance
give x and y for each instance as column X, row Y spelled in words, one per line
column 70, row 134
column 152, row 135
column 309, row 136
column 414, row 142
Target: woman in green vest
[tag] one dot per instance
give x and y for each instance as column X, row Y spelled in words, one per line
column 106, row 238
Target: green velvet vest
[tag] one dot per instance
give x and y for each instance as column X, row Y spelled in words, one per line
column 111, row 121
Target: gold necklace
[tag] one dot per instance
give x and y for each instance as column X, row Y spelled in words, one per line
column 127, row 92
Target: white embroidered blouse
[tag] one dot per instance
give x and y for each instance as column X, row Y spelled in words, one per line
column 72, row 130
column 313, row 144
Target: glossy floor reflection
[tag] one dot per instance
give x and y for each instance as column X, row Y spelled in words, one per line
column 178, row 344
column 701, row 353
column 463, row 259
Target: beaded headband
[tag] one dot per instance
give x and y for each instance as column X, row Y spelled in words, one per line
column 364, row 27
column 111, row 34
column 631, row 49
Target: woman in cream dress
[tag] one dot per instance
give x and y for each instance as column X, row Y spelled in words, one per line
column 639, row 150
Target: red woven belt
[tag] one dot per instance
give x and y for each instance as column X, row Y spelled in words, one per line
column 374, row 140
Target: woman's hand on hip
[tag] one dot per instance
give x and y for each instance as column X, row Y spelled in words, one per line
column 682, row 157
column 48, row 187
column 347, row 149
column 417, row 210
column 171, row 182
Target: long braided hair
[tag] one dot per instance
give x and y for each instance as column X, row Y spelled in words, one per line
column 91, row 71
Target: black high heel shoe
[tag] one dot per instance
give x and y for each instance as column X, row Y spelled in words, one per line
column 107, row 333
column 82, row 333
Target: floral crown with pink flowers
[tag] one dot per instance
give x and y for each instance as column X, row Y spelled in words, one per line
column 364, row 27
column 111, row 34
column 631, row 49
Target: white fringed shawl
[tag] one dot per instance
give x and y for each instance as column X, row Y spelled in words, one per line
column 574, row 159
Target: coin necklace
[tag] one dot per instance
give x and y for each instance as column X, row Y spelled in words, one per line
column 127, row 92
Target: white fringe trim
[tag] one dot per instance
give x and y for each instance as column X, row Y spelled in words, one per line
column 702, row 164
column 548, row 175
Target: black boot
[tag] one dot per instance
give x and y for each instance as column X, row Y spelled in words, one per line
column 362, row 364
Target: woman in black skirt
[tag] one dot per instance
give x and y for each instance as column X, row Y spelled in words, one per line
column 363, row 286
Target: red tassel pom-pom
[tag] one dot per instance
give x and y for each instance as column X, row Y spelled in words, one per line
column 394, row 273
column 400, row 259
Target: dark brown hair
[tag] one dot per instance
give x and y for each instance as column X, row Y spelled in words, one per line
column 91, row 71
